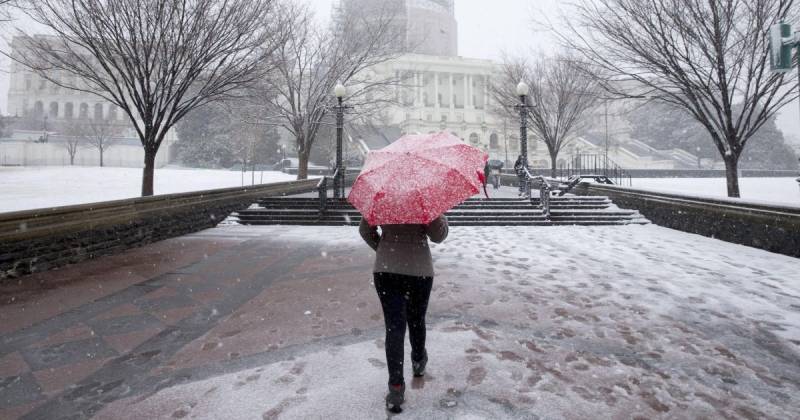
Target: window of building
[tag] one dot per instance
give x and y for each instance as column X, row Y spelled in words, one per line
column 429, row 117
column 474, row 138
column 53, row 113
column 84, row 110
column 68, row 110
column 38, row 108
column 28, row 81
column 42, row 83
column 112, row 112
column 98, row 111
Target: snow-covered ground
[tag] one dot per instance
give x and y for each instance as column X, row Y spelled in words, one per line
column 23, row 188
column 775, row 190
column 634, row 322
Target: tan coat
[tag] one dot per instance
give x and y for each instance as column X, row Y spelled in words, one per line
column 403, row 249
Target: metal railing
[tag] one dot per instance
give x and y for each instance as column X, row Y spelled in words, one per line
column 322, row 189
column 593, row 164
column 339, row 182
column 544, row 198
column 527, row 182
column 544, row 192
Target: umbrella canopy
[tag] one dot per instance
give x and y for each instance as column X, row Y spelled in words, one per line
column 416, row 179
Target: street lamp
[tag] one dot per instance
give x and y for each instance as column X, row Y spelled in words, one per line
column 338, row 176
column 522, row 92
column 282, row 153
column 698, row 157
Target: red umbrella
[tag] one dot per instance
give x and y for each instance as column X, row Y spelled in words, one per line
column 416, row 179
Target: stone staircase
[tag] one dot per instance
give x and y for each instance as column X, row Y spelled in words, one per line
column 565, row 210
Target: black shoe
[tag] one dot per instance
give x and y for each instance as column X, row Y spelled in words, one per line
column 395, row 398
column 419, row 366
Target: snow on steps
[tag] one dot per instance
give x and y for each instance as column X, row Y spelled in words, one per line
column 565, row 210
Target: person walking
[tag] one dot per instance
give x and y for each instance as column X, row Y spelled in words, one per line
column 403, row 274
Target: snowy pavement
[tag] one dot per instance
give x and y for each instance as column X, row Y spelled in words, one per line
column 237, row 322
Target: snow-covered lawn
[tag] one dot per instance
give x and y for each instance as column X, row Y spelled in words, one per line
column 775, row 190
column 23, row 188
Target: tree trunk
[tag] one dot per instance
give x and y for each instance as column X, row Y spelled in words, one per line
column 148, row 172
column 72, row 159
column 101, row 157
column 732, row 174
column 553, row 163
column 302, row 165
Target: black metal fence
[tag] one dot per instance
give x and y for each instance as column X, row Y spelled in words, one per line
column 591, row 164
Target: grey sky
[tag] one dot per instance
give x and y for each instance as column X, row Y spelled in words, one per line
column 486, row 29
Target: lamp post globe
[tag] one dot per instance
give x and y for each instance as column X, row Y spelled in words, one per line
column 522, row 89
column 339, row 90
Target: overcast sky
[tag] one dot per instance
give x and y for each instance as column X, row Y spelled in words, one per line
column 486, row 29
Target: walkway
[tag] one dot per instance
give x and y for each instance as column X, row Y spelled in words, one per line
column 283, row 322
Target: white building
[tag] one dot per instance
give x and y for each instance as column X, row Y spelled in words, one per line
column 37, row 100
column 450, row 94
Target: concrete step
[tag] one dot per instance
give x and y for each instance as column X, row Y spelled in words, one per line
column 566, row 210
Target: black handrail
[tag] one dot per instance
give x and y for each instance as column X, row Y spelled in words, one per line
column 338, row 182
column 593, row 164
column 322, row 189
column 544, row 198
column 544, row 193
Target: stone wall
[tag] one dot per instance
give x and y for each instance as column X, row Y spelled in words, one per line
column 43, row 239
column 678, row 173
column 770, row 227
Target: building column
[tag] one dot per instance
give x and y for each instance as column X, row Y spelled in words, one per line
column 466, row 91
column 416, row 89
column 436, row 91
column 485, row 92
column 451, row 91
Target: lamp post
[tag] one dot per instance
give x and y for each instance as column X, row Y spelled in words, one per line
column 522, row 92
column 698, row 157
column 338, row 179
column 505, row 141
column 605, row 105
column 282, row 153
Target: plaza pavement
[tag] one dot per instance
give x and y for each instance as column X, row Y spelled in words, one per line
column 235, row 322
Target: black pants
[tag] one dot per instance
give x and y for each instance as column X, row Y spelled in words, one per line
column 404, row 300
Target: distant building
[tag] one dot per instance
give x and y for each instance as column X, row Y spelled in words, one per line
column 427, row 26
column 39, row 105
column 449, row 94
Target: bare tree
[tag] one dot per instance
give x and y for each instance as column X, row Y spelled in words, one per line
column 706, row 57
column 313, row 60
column 563, row 93
column 73, row 136
column 7, row 8
column 155, row 60
column 99, row 134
